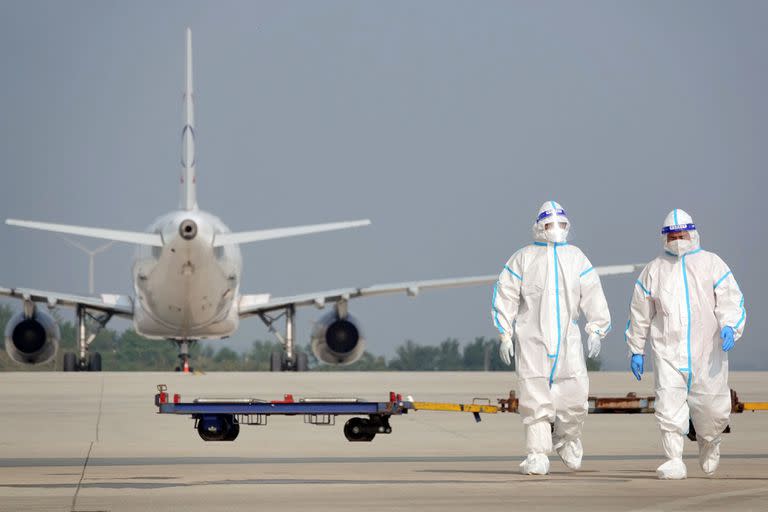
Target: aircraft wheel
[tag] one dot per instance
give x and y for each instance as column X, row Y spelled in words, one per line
column 94, row 364
column 276, row 362
column 302, row 362
column 70, row 362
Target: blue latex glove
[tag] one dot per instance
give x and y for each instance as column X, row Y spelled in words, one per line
column 727, row 335
column 637, row 365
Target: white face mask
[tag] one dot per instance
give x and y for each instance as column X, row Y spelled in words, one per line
column 679, row 247
column 556, row 235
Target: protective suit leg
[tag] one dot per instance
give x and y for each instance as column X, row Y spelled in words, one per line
column 709, row 414
column 571, row 406
column 672, row 414
column 674, row 468
column 709, row 455
column 538, row 440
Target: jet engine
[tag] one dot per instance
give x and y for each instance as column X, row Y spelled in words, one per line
column 337, row 339
column 32, row 337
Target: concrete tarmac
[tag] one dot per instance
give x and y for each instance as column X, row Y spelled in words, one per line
column 92, row 442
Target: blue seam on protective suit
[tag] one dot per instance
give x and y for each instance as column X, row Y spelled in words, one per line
column 590, row 269
column 675, row 215
column 540, row 243
column 506, row 267
column 556, row 244
column 643, row 287
column 671, row 253
column 551, row 355
column 743, row 313
column 557, row 305
column 629, row 322
column 721, row 279
column 553, row 205
column 598, row 331
column 688, row 306
column 496, row 311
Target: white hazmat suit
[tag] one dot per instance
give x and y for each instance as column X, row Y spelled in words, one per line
column 682, row 301
column 540, row 294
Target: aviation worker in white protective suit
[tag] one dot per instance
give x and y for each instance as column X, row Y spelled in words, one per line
column 539, row 296
column 690, row 306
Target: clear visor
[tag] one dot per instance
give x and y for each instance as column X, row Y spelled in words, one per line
column 555, row 225
column 678, row 235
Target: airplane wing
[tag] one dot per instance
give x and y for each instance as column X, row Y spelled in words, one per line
column 411, row 288
column 118, row 305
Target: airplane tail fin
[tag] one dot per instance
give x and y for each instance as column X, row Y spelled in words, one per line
column 188, row 180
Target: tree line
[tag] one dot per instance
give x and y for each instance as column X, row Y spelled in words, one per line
column 128, row 351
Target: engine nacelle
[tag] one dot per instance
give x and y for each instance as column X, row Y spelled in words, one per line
column 337, row 340
column 32, row 340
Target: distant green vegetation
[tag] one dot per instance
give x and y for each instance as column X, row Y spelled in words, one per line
column 127, row 351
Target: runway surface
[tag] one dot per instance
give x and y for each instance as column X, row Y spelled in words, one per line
column 92, row 442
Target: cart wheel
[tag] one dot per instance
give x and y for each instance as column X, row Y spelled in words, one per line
column 276, row 362
column 234, row 431
column 302, row 362
column 217, row 427
column 94, row 364
column 70, row 362
column 358, row 430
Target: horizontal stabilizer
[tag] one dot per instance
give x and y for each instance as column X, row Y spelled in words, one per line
column 271, row 234
column 132, row 237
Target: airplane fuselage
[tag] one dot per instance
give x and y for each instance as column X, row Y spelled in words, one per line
column 187, row 289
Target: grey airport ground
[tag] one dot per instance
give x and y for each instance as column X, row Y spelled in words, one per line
column 91, row 442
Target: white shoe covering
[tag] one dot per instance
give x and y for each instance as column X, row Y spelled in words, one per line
column 674, row 468
column 571, row 452
column 538, row 441
column 709, row 455
column 535, row 464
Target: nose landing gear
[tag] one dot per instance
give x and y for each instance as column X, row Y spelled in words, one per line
column 184, row 366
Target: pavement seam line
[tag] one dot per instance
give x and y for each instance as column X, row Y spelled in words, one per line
column 90, row 448
column 82, row 477
column 98, row 417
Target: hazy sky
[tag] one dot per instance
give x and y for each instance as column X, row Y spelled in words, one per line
column 446, row 123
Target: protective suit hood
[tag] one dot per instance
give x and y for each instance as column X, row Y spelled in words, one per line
column 551, row 212
column 679, row 220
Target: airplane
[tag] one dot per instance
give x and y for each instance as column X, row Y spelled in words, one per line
column 186, row 284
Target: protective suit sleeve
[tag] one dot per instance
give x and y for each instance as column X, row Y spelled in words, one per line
column 592, row 302
column 641, row 313
column 506, row 295
column 729, row 301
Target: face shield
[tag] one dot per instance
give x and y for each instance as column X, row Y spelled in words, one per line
column 680, row 239
column 552, row 225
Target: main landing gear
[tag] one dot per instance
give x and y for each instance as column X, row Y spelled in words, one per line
column 83, row 360
column 289, row 359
